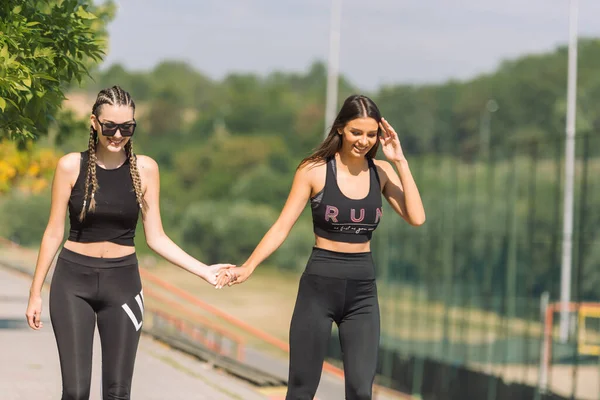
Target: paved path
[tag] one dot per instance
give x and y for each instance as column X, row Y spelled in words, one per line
column 30, row 369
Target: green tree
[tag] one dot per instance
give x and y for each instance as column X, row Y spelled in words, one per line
column 138, row 83
column 209, row 171
column 229, row 232
column 45, row 45
column 190, row 86
column 24, row 217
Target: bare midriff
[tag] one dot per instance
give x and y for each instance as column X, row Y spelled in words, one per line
column 100, row 249
column 342, row 247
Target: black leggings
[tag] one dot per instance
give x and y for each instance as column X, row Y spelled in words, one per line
column 335, row 287
column 85, row 290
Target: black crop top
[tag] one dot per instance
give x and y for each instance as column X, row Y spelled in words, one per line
column 339, row 218
column 116, row 214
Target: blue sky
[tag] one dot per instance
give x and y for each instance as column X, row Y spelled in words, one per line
column 382, row 41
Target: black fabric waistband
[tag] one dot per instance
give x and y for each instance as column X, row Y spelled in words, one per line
column 98, row 262
column 340, row 265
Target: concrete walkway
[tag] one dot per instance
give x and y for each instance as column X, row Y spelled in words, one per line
column 30, row 369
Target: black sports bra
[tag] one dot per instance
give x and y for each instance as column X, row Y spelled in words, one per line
column 339, row 218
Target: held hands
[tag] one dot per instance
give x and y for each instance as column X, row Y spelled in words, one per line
column 233, row 276
column 390, row 144
column 34, row 312
column 211, row 273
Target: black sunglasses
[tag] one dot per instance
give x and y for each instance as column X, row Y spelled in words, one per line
column 110, row 128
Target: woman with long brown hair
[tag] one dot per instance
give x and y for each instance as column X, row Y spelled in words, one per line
column 96, row 279
column 343, row 182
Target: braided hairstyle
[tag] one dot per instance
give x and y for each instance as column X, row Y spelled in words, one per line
column 119, row 97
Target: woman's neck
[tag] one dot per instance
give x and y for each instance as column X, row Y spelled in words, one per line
column 355, row 165
column 108, row 159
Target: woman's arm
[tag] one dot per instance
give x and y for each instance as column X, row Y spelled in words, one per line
column 276, row 235
column 400, row 189
column 65, row 173
column 156, row 237
column 401, row 192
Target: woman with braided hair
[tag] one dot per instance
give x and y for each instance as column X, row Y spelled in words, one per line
column 96, row 278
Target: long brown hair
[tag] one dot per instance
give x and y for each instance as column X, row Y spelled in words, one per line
column 355, row 106
column 111, row 96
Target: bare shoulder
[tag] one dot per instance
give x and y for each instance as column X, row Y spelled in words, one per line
column 383, row 165
column 69, row 163
column 67, row 169
column 384, row 169
column 314, row 174
column 312, row 169
column 148, row 170
column 146, row 164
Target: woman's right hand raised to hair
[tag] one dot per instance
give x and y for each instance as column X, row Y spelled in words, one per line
column 34, row 312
